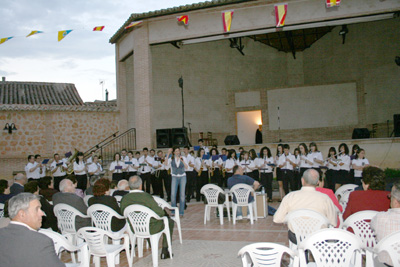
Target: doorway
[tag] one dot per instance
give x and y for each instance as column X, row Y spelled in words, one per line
column 247, row 125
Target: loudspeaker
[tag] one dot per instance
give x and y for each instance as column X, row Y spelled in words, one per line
column 396, row 122
column 232, row 140
column 360, row 133
column 179, row 137
column 163, row 138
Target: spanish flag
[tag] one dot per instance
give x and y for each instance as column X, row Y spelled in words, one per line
column 62, row 34
column 184, row 19
column 3, row 40
column 98, row 28
column 33, row 33
column 133, row 24
column 332, row 3
column 280, row 14
column 227, row 17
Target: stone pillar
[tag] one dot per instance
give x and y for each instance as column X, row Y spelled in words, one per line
column 143, row 86
column 121, row 92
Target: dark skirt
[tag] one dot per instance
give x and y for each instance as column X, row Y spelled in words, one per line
column 118, row 176
column 343, row 177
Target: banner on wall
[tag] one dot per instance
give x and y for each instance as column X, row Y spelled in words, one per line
column 227, row 17
column 184, row 19
column 62, row 34
column 332, row 3
column 280, row 14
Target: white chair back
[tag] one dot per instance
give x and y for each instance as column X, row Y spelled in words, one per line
column 86, row 199
column 343, row 194
column 1, row 210
column 164, row 204
column 66, row 218
column 211, row 192
column 332, row 248
column 242, row 192
column 360, row 222
column 139, row 217
column 118, row 198
column 304, row 222
column 391, row 245
column 94, row 237
column 265, row 254
column 102, row 215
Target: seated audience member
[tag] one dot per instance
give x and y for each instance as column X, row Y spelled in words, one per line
column 92, row 181
column 122, row 188
column 68, row 196
column 49, row 220
column 4, row 191
column 138, row 196
column 78, row 191
column 331, row 195
column 19, row 181
column 47, row 188
column 388, row 222
column 239, row 178
column 24, row 245
column 373, row 197
column 306, row 198
column 101, row 192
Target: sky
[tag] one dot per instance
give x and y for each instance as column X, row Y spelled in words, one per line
column 83, row 57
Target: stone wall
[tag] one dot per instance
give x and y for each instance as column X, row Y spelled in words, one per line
column 49, row 132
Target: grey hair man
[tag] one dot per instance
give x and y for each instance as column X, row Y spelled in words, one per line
column 387, row 222
column 26, row 218
column 306, row 198
column 138, row 196
column 19, row 181
column 122, row 188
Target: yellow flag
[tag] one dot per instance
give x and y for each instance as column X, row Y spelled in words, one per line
column 62, row 34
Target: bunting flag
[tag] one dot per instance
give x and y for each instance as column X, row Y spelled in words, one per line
column 3, row 40
column 280, row 14
column 332, row 3
column 33, row 33
column 133, row 24
column 62, row 34
column 227, row 17
column 184, row 19
column 98, row 28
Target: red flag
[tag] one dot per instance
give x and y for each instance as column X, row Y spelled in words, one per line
column 227, row 17
column 280, row 14
column 98, row 28
column 184, row 19
column 133, row 24
column 331, row 3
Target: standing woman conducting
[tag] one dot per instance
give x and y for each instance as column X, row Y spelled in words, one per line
column 178, row 174
column 343, row 176
column 80, row 171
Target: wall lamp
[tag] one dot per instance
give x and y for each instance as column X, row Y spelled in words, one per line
column 10, row 127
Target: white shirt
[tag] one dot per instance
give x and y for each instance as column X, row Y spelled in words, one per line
column 286, row 164
column 189, row 160
column 247, row 165
column 59, row 172
column 359, row 163
column 303, row 163
column 95, row 168
column 331, row 166
column 159, row 166
column 177, row 162
column 206, row 150
column 147, row 168
column 23, row 224
column 135, row 163
column 117, row 163
column 346, row 160
column 217, row 162
column 198, row 162
column 316, row 155
column 89, row 160
column 79, row 167
column 229, row 164
column 265, row 161
column 34, row 174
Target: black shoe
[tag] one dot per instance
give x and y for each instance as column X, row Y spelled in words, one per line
column 165, row 254
column 185, row 206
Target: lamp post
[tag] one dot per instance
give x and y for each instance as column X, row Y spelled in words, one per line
column 180, row 81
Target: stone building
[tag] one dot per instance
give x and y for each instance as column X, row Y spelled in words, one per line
column 49, row 118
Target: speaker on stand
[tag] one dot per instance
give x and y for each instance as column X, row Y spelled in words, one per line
column 163, row 138
column 179, row 137
column 231, row 140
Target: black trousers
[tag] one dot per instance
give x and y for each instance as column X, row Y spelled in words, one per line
column 167, row 182
column 297, row 180
column 255, row 175
column 57, row 180
column 190, row 184
column 216, row 176
column 266, row 182
column 129, row 175
column 200, row 182
column 155, row 184
column 330, row 179
column 287, row 178
column 82, row 181
column 118, row 176
column 146, row 178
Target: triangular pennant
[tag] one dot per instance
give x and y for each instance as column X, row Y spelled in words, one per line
column 33, row 33
column 62, row 34
column 98, row 28
column 280, row 14
column 184, row 19
column 133, row 24
column 227, row 17
column 332, row 3
column 3, row 40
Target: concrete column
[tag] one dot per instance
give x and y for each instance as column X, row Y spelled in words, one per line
column 121, row 93
column 143, row 86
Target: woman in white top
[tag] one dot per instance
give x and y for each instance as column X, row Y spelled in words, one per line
column 305, row 163
column 117, row 168
column 296, row 170
column 230, row 163
column 279, row 152
column 132, row 166
column 246, row 163
column 358, row 164
column 316, row 158
column 215, row 166
column 333, row 168
column 200, row 167
column 265, row 166
column 255, row 174
column 80, row 172
column 353, row 155
column 343, row 176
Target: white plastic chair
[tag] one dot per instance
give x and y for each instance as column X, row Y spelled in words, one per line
column 391, row 245
column 242, row 193
column 332, row 248
column 343, row 193
column 98, row 247
column 61, row 244
column 118, row 198
column 164, row 204
column 266, row 254
column 211, row 192
column 360, row 222
column 101, row 218
column 86, row 199
column 304, row 222
column 139, row 217
column 1, row 210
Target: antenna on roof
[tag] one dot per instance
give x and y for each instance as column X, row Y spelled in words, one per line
column 102, row 82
